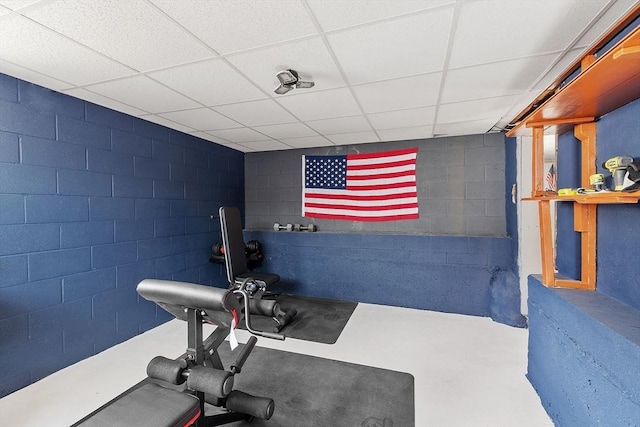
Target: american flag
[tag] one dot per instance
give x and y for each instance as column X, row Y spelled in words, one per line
column 550, row 179
column 361, row 187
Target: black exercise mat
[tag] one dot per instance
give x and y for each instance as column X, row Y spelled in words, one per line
column 318, row 320
column 312, row 391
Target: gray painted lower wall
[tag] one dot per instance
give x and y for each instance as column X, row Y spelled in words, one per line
column 460, row 187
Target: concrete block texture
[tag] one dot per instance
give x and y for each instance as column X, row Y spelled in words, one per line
column 442, row 273
column 584, row 349
column 48, row 152
column 92, row 201
column 457, row 179
column 9, row 148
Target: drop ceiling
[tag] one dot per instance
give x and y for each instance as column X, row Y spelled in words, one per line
column 384, row 70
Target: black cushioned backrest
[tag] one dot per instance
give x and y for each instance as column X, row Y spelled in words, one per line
column 174, row 297
column 233, row 241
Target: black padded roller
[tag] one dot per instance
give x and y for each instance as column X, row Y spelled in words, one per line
column 212, row 381
column 161, row 368
column 258, row 407
column 264, row 307
column 285, row 320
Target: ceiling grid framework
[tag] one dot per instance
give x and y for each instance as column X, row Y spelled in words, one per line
column 384, row 70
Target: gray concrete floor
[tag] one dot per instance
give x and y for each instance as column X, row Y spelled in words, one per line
column 469, row 371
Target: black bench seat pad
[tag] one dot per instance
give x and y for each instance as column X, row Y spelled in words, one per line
column 148, row 405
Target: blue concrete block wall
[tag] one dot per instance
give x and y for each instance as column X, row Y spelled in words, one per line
column 584, row 349
column 441, row 273
column 618, row 270
column 568, row 176
column 91, row 202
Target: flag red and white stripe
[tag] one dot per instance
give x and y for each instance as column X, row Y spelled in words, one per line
column 550, row 179
column 361, row 187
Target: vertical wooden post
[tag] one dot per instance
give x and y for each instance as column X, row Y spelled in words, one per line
column 585, row 214
column 546, row 244
column 586, row 133
column 537, row 178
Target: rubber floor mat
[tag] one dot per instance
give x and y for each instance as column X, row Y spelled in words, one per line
column 312, row 391
column 318, row 320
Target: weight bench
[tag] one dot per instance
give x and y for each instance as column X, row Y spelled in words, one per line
column 237, row 271
column 175, row 392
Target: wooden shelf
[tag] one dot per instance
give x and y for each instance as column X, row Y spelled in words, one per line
column 602, row 198
column 608, row 83
column 603, row 85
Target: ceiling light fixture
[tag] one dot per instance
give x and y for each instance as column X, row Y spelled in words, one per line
column 289, row 80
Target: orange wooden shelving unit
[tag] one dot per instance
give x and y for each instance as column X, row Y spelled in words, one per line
column 603, row 85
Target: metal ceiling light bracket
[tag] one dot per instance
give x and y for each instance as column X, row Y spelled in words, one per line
column 289, row 80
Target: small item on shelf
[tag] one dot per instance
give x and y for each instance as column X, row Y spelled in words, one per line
column 618, row 168
column 597, row 181
column 567, row 191
column 633, row 174
column 586, row 191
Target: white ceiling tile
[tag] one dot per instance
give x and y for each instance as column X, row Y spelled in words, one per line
column 310, row 58
column 143, row 93
column 166, row 122
column 38, row 49
column 320, row 105
column 239, row 147
column 32, row 76
column 353, row 138
column 202, row 119
column 307, row 141
column 377, row 65
column 286, row 130
column 238, row 135
column 211, row 82
column 339, row 14
column 519, row 106
column 409, row 92
column 403, row 118
column 231, row 26
column 467, row 127
column 104, row 101
column 17, row 4
column 340, row 125
column 265, row 145
column 256, row 113
column 399, row 48
column 497, row 79
column 558, row 68
column 487, row 30
column 209, row 137
column 475, row 109
column 418, row 132
column 618, row 8
column 101, row 24
column 220, row 141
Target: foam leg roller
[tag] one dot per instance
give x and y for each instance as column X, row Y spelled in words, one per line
column 285, row 319
column 212, row 381
column 264, row 307
column 258, row 407
column 161, row 368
